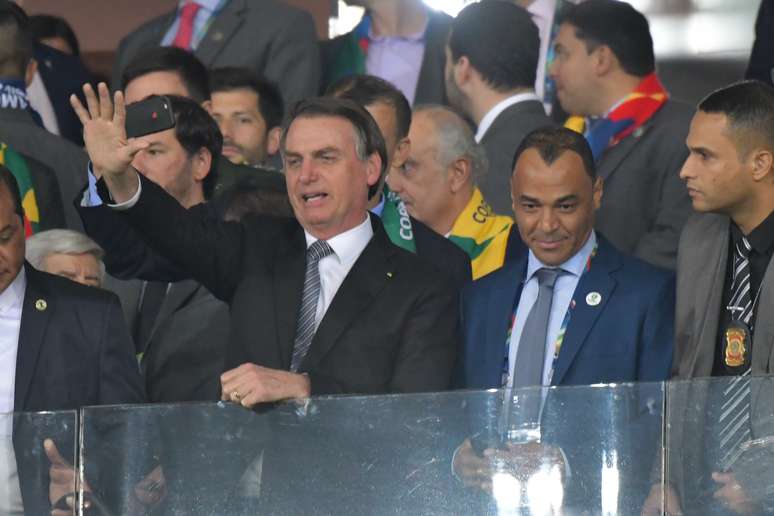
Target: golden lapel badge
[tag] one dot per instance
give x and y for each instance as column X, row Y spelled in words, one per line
column 41, row 305
column 736, row 344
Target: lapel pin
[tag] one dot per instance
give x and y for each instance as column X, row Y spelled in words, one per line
column 593, row 298
column 638, row 132
column 217, row 36
column 389, row 275
column 41, row 304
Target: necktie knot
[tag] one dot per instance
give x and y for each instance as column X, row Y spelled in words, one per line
column 743, row 248
column 189, row 10
column 547, row 277
column 318, row 250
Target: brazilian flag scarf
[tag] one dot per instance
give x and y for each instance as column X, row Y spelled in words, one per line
column 482, row 234
column 351, row 60
column 628, row 116
column 18, row 167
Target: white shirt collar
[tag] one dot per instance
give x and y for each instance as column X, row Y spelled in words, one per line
column 13, row 296
column 498, row 108
column 210, row 5
column 543, row 9
column 574, row 265
column 348, row 245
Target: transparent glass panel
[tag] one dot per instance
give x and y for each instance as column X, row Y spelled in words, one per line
column 720, row 446
column 34, row 477
column 534, row 451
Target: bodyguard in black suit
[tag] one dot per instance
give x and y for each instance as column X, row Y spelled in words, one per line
column 374, row 319
column 72, row 349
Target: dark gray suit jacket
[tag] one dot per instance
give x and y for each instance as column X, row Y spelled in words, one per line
column 645, row 203
column 701, row 273
column 277, row 41
column 68, row 161
column 500, row 142
column 183, row 356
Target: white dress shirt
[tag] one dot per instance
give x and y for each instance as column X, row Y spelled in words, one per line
column 498, row 108
column 347, row 248
column 11, row 302
column 564, row 288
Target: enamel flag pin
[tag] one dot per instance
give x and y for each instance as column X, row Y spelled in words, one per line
column 593, row 298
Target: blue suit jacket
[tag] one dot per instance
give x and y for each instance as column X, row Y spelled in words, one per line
column 627, row 337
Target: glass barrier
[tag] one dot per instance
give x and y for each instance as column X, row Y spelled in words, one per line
column 38, row 462
column 570, row 450
column 720, row 446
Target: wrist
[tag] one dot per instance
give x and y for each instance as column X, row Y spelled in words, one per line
column 304, row 386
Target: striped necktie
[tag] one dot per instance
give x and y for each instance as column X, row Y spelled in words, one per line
column 734, row 420
column 305, row 325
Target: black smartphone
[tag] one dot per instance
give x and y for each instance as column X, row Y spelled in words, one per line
column 148, row 116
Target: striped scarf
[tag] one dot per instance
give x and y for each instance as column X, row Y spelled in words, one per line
column 18, row 167
column 482, row 235
column 629, row 115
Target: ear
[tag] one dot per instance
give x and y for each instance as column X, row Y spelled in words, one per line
column 463, row 71
column 207, row 105
column 760, row 162
column 597, row 193
column 373, row 168
column 201, row 163
column 29, row 72
column 459, row 174
column 401, row 154
column 273, row 140
column 604, row 60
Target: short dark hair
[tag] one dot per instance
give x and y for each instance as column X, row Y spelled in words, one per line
column 9, row 180
column 261, row 193
column 369, row 138
column 618, row 26
column 749, row 108
column 45, row 26
column 367, row 90
column 551, row 142
column 15, row 40
column 270, row 104
column 500, row 40
column 191, row 71
column 196, row 129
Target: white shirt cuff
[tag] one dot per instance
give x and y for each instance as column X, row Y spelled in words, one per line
column 131, row 202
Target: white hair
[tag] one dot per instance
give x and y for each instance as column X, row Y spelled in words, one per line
column 62, row 241
column 455, row 139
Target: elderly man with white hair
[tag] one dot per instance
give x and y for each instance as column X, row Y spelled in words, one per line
column 67, row 253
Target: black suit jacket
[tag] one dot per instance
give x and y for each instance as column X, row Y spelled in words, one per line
column 431, row 87
column 74, row 351
column 443, row 254
column 392, row 326
column 500, row 143
column 761, row 64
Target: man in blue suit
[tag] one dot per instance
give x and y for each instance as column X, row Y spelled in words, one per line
column 573, row 310
column 607, row 318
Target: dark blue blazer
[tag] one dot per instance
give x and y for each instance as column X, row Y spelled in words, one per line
column 627, row 337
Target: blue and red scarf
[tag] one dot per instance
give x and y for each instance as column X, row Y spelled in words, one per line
column 630, row 114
